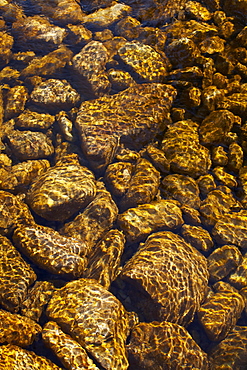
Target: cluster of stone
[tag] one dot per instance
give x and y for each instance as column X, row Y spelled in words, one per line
column 123, row 184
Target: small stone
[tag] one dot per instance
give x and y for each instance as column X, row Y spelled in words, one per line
column 181, row 188
column 158, row 159
column 239, row 277
column 197, row 237
column 128, row 27
column 196, row 10
column 34, row 120
column 17, row 329
column 235, row 157
column 182, row 52
column 224, row 177
column 30, row 145
column 120, row 80
column 66, row 125
column 191, row 216
column 191, row 97
column 62, row 190
column 16, row 100
column 211, row 97
column 219, row 156
column 16, row 276
column 206, row 184
column 118, row 176
column 138, row 223
column 212, row 45
column 6, row 42
column 223, row 261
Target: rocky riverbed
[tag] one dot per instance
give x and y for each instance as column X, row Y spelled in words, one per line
column 123, row 185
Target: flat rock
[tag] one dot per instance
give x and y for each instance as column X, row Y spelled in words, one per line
column 15, row 101
column 133, row 116
column 167, row 278
column 149, row 343
column 62, row 190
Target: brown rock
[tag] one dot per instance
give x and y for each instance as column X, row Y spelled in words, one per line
column 34, row 120
column 149, row 343
column 182, row 52
column 6, row 42
column 206, row 184
column 120, row 80
column 138, row 223
column 197, row 237
column 236, row 8
column 196, row 10
column 16, row 276
column 190, row 215
column 167, row 279
column 235, row 157
column 118, row 176
column 16, row 100
column 224, row 177
column 157, row 158
column 239, row 276
column 219, row 156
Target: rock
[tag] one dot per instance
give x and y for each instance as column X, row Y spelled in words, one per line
column 212, row 45
column 157, row 158
column 11, row 12
column 34, row 31
column 206, row 184
column 181, row 188
column 13, row 356
column 30, row 145
column 48, row 64
column 191, row 215
column 239, row 277
column 18, row 177
column 65, row 125
column 16, row 276
column 211, row 98
column 191, row 97
column 218, row 202
column 143, row 185
column 34, row 120
column 223, row 261
column 219, row 156
column 236, row 8
column 51, row 251
column 231, row 228
column 118, row 176
column 13, row 211
column 167, row 279
column 105, row 17
column 196, row 10
column 128, row 27
column 235, row 157
column 215, row 127
column 236, row 103
column 90, row 63
column 120, row 80
column 16, row 100
column 138, row 223
column 133, row 116
column 60, row 11
column 183, row 150
column 220, row 312
column 104, row 260
column 55, row 94
column 6, row 42
column 224, row 177
column 78, row 34
column 62, row 190
column 148, row 343
column 37, row 298
column 232, row 351
column 17, row 329
column 182, row 52
column 197, row 237
column 97, row 218
column 144, row 61
column 87, row 312
column 59, row 342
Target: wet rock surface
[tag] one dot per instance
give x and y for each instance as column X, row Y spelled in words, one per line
column 123, row 185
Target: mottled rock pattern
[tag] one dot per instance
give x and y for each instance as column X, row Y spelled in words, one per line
column 95, row 220
column 222, row 261
column 206, row 184
column 137, row 223
column 182, row 188
column 65, row 125
column 69, row 351
column 6, row 42
column 183, row 150
column 34, row 120
column 62, row 190
column 104, row 260
column 15, row 101
column 17, row 329
column 220, row 312
column 16, row 276
column 232, row 351
column 191, row 216
column 89, row 312
column 164, row 345
column 133, row 116
column 13, row 357
column 197, row 237
column 224, row 177
column 37, row 298
column 235, row 157
column 120, row 80
column 239, row 277
column 30, row 145
column 198, row 11
column 160, row 273
column 157, row 158
column 52, row 251
column 118, row 176
column 219, row 156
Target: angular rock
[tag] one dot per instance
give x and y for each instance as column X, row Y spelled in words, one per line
column 211, row 96
column 167, row 279
column 51, row 251
column 36, row 300
column 231, row 228
column 223, row 261
column 183, row 150
column 69, row 351
column 97, row 218
column 17, row 329
column 15, row 102
column 34, row 120
column 12, row 357
column 6, row 42
column 55, row 94
column 138, row 223
column 142, row 59
column 143, row 185
column 95, row 319
column 219, row 313
column 182, row 188
column 104, row 260
column 149, row 343
column 197, row 237
column 30, row 145
column 133, row 116
column 16, row 276
column 231, row 352
column 62, row 190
